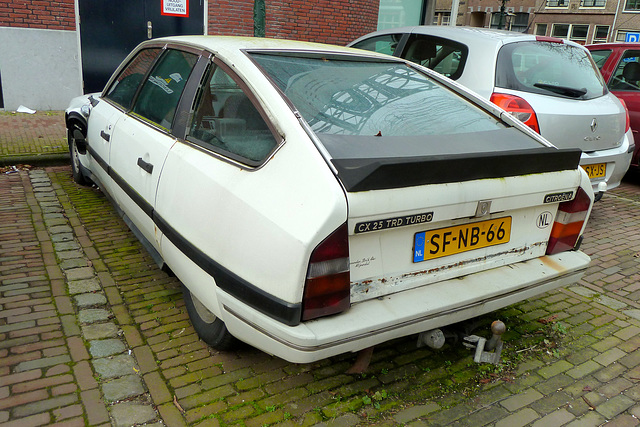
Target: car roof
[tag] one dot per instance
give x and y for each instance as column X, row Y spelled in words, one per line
column 616, row 45
column 465, row 35
column 232, row 47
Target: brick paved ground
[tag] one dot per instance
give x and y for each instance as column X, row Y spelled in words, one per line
column 92, row 333
column 26, row 138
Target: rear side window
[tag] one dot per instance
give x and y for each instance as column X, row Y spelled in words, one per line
column 386, row 44
column 548, row 68
column 161, row 92
column 627, row 74
column 446, row 57
column 226, row 121
column 125, row 86
column 600, row 56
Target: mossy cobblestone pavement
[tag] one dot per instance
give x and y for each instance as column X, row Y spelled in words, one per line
column 93, row 333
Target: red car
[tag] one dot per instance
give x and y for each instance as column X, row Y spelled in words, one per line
column 619, row 64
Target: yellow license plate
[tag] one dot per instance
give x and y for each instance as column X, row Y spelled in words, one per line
column 461, row 238
column 599, row 170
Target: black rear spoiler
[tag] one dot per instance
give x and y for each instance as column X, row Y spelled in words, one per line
column 363, row 174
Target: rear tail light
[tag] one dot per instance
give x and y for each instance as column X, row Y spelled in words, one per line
column 517, row 107
column 627, row 125
column 568, row 224
column 327, row 288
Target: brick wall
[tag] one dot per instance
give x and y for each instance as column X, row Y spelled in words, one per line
column 231, row 17
column 326, row 21
column 44, row 14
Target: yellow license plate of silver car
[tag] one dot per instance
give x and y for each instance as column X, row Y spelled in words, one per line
column 599, row 170
column 461, row 238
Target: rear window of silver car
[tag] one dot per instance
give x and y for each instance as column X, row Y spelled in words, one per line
column 548, row 68
column 347, row 96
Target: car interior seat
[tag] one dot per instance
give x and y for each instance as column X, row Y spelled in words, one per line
column 421, row 51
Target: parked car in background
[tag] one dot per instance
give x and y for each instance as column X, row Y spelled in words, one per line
column 620, row 67
column 550, row 84
column 316, row 200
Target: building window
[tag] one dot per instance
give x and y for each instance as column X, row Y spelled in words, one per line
column 519, row 22
column 400, row 13
column 593, row 3
column 560, row 31
column 621, row 35
column 511, row 21
column 579, row 33
column 441, row 18
column 601, row 34
column 559, row 3
column 575, row 32
column 631, row 5
column 541, row 29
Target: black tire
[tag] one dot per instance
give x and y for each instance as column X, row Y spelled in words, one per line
column 207, row 325
column 76, row 167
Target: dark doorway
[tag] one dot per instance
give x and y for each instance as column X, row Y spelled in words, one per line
column 109, row 30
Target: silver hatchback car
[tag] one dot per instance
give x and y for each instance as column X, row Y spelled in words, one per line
column 550, row 84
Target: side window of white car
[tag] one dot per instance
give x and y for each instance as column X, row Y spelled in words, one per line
column 160, row 93
column 225, row 120
column 125, row 86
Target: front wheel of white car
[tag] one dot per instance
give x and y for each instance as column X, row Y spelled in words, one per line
column 76, row 170
column 207, row 325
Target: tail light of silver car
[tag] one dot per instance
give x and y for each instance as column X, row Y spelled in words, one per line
column 627, row 125
column 517, row 107
column 327, row 288
column 568, row 223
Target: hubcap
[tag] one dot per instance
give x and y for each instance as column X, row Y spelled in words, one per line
column 74, row 156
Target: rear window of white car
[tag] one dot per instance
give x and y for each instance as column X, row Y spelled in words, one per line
column 346, row 96
column 548, row 68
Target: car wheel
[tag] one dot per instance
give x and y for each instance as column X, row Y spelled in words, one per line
column 209, row 328
column 76, row 170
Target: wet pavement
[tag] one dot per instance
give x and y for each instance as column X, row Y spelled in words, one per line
column 93, row 333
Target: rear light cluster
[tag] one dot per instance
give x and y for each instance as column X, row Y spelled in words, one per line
column 568, row 224
column 517, row 107
column 627, row 125
column 327, row 288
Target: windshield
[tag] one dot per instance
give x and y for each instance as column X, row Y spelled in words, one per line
column 351, row 96
column 548, row 68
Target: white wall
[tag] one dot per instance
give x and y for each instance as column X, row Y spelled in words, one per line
column 40, row 69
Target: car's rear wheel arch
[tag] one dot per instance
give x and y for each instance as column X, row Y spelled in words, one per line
column 207, row 325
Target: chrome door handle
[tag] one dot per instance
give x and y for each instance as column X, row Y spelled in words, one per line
column 147, row 167
column 105, row 135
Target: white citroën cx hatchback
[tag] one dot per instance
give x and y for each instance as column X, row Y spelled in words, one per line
column 551, row 84
column 316, row 200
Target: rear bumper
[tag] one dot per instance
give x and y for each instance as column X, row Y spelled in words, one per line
column 617, row 161
column 410, row 312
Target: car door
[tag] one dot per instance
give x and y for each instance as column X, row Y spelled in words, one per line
column 140, row 141
column 624, row 82
column 111, row 106
column 215, row 191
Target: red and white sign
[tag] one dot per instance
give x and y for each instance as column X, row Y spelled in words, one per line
column 175, row 8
